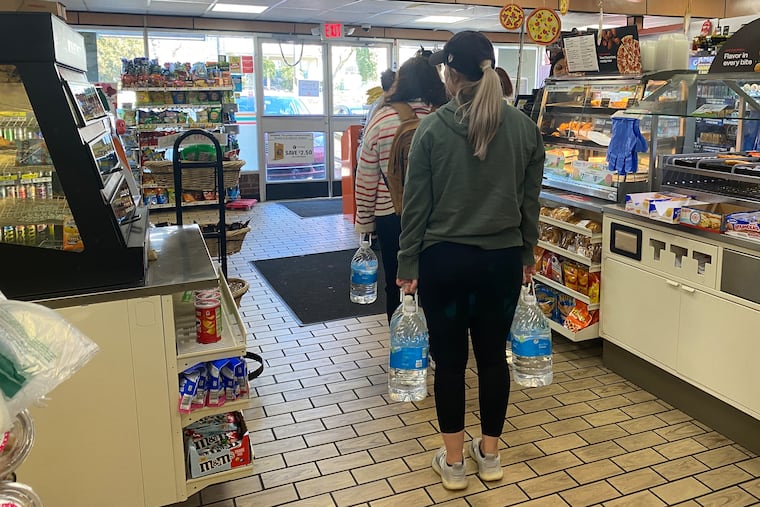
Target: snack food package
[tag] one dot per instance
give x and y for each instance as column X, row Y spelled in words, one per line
column 594, row 282
column 570, row 275
column 580, row 317
column 546, row 298
column 565, row 304
column 562, row 213
column 583, row 280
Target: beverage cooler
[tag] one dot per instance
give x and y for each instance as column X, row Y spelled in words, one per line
column 70, row 215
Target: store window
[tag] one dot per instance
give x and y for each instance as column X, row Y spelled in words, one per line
column 507, row 57
column 355, row 69
column 408, row 49
column 111, row 48
column 292, row 79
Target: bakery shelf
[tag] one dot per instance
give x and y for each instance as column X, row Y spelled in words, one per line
column 595, row 237
column 230, row 406
column 566, row 290
column 587, row 333
column 593, row 267
column 564, row 142
column 178, row 88
column 195, row 485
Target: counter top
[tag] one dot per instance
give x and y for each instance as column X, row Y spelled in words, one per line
column 183, row 264
column 725, row 239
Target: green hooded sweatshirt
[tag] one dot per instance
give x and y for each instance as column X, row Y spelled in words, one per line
column 450, row 195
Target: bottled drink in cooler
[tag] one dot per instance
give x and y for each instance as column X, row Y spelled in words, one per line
column 531, row 346
column 364, row 275
column 520, row 307
column 407, row 375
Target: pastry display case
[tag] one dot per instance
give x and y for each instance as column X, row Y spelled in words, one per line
column 70, row 214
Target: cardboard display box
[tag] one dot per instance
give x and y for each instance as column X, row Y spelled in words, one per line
column 237, row 455
column 710, row 217
column 744, row 225
column 56, row 8
column 662, row 206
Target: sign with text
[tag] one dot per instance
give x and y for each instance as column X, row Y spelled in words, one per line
column 580, row 53
column 332, row 30
column 619, row 51
column 741, row 52
column 290, row 148
column 235, row 67
column 246, row 64
column 308, row 88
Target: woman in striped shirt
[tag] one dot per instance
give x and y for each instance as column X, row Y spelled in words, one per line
column 419, row 84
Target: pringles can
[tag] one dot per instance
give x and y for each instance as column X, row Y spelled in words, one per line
column 208, row 319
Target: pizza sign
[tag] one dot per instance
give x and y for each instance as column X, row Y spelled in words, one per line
column 544, row 26
column 511, row 16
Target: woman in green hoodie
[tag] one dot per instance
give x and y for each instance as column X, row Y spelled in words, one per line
column 469, row 225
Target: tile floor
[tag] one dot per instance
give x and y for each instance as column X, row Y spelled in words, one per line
column 325, row 434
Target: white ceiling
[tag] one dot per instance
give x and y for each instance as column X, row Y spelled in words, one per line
column 381, row 13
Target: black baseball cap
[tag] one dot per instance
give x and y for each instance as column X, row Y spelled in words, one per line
column 464, row 52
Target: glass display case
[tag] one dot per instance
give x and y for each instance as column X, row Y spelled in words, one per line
column 576, row 122
column 729, row 104
column 70, row 216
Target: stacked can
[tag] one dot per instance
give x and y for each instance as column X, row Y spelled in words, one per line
column 208, row 315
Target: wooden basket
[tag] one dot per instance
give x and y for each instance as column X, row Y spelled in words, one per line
column 238, row 287
column 234, row 242
column 162, row 172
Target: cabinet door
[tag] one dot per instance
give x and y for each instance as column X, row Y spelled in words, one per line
column 639, row 311
column 718, row 347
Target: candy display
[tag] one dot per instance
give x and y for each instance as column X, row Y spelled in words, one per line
column 217, row 443
column 212, row 384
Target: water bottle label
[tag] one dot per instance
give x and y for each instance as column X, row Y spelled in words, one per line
column 409, row 358
column 531, row 346
column 363, row 277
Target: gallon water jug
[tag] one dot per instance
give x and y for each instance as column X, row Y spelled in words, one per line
column 520, row 306
column 364, row 274
column 407, row 375
column 531, row 346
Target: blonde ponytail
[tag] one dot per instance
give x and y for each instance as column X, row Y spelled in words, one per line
column 483, row 108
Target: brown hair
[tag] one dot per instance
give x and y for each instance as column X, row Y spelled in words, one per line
column 506, row 83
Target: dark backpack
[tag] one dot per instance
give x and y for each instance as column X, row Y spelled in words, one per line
column 398, row 159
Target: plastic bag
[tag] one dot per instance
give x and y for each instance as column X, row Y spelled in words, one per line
column 38, row 350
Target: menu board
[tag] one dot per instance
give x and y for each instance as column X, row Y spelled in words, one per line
column 104, row 154
column 580, row 54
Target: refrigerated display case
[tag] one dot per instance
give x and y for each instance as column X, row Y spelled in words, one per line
column 71, row 220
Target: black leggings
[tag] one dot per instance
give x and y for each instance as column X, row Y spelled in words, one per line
column 465, row 288
column 388, row 229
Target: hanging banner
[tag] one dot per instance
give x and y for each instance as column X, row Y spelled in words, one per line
column 246, row 63
column 619, row 51
column 291, row 149
column 235, row 67
column 741, row 52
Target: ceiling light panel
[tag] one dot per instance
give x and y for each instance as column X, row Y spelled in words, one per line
column 239, row 8
column 440, row 19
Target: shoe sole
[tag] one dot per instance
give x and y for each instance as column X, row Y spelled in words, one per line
column 448, row 485
column 485, row 476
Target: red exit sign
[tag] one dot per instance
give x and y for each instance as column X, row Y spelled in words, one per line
column 332, row 30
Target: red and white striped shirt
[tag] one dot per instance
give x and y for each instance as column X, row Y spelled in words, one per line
column 372, row 196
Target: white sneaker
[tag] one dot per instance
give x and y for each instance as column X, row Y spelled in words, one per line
column 452, row 476
column 489, row 465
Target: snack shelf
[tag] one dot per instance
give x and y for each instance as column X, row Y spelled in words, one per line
column 593, row 267
column 19, row 121
column 230, row 406
column 583, row 202
column 200, row 105
column 595, row 110
column 15, row 169
column 564, row 142
column 587, row 333
column 195, row 485
column 566, row 290
column 595, row 237
column 177, row 126
column 598, row 191
column 178, row 88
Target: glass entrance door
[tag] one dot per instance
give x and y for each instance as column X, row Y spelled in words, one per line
column 309, row 94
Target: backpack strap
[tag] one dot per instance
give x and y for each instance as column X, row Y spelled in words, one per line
column 404, row 111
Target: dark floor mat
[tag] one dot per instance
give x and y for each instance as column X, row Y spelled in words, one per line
column 315, row 287
column 314, row 207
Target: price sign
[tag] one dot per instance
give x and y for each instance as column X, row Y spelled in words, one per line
column 294, row 149
column 332, row 30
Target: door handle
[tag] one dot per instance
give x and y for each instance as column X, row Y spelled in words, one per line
column 672, row 283
column 688, row 289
